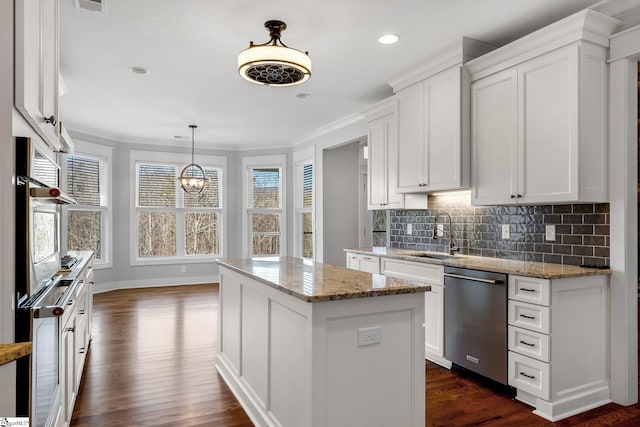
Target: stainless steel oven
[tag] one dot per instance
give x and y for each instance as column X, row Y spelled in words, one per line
column 40, row 291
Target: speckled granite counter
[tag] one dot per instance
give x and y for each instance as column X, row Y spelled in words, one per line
column 314, row 281
column 507, row 266
column 11, row 352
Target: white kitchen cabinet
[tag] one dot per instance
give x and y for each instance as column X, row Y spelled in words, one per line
column 76, row 334
column 361, row 262
column 433, row 138
column 539, row 117
column 36, row 66
column 433, row 274
column 383, row 153
column 558, row 343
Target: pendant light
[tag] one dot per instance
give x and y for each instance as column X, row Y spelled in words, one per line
column 274, row 63
column 192, row 179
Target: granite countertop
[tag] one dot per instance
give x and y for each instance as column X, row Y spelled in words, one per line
column 314, row 281
column 523, row 268
column 11, row 352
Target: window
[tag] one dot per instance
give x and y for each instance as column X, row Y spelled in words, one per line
column 304, row 209
column 87, row 222
column 170, row 224
column 264, row 222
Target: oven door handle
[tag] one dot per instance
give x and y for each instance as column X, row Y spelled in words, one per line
column 57, row 309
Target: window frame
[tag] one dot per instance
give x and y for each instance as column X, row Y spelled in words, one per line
column 302, row 159
column 179, row 160
column 104, row 155
column 262, row 162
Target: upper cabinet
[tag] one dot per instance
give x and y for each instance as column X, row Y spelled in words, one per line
column 539, row 116
column 433, row 121
column 383, row 152
column 36, row 66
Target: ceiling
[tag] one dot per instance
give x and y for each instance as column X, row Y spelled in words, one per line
column 190, row 48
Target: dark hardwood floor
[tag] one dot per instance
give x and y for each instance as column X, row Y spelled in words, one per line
column 151, row 363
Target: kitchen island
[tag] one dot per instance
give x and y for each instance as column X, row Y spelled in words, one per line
column 310, row 344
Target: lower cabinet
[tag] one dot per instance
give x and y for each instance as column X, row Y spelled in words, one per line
column 558, row 343
column 75, row 335
column 361, row 262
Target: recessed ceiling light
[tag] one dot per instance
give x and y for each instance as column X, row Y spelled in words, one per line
column 303, row 96
column 139, row 70
column 388, row 39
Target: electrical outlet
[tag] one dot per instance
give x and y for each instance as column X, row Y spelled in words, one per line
column 368, row 336
column 409, row 229
column 440, row 228
column 550, row 233
column 183, row 269
column 506, row 233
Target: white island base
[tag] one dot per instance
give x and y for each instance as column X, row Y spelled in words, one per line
column 294, row 363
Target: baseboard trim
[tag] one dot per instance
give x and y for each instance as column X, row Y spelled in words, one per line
column 152, row 283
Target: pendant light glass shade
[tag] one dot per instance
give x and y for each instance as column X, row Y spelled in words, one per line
column 192, row 178
column 274, row 63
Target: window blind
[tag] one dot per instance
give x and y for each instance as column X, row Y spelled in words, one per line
column 265, row 185
column 83, row 180
column 210, row 196
column 157, row 185
column 307, row 185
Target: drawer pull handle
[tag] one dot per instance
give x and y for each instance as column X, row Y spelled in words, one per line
column 528, row 317
column 527, row 343
column 527, row 289
column 531, row 377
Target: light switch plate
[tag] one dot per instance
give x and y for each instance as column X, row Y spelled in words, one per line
column 506, row 233
column 550, row 231
column 409, row 229
column 440, row 230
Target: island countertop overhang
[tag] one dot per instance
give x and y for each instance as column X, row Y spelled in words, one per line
column 313, row 281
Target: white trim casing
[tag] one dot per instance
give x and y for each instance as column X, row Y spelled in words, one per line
column 105, row 154
column 250, row 162
column 623, row 74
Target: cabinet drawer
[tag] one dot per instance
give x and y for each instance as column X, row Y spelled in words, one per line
column 529, row 375
column 530, row 289
column 369, row 264
column 529, row 343
column 429, row 273
column 529, row 316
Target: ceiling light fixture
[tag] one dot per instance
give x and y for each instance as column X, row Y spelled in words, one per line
column 192, row 179
column 388, row 39
column 274, row 63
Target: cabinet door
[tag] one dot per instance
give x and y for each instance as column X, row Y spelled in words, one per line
column 442, row 155
column 352, row 261
column 376, row 164
column 493, row 138
column 36, row 65
column 410, row 138
column 548, row 117
column 68, row 372
column 434, row 321
column 395, row 200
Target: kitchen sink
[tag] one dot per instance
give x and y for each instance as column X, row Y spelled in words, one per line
column 431, row 255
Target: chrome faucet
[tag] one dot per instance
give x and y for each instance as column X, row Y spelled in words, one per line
column 452, row 246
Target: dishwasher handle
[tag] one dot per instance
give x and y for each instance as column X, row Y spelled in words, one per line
column 475, row 279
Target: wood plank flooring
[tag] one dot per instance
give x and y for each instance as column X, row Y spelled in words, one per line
column 151, row 363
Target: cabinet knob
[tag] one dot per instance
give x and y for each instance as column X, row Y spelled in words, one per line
column 71, row 329
column 81, row 312
column 81, row 350
column 513, row 196
column 51, row 120
column 70, row 302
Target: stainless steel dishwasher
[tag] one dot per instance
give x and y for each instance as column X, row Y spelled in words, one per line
column 475, row 321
